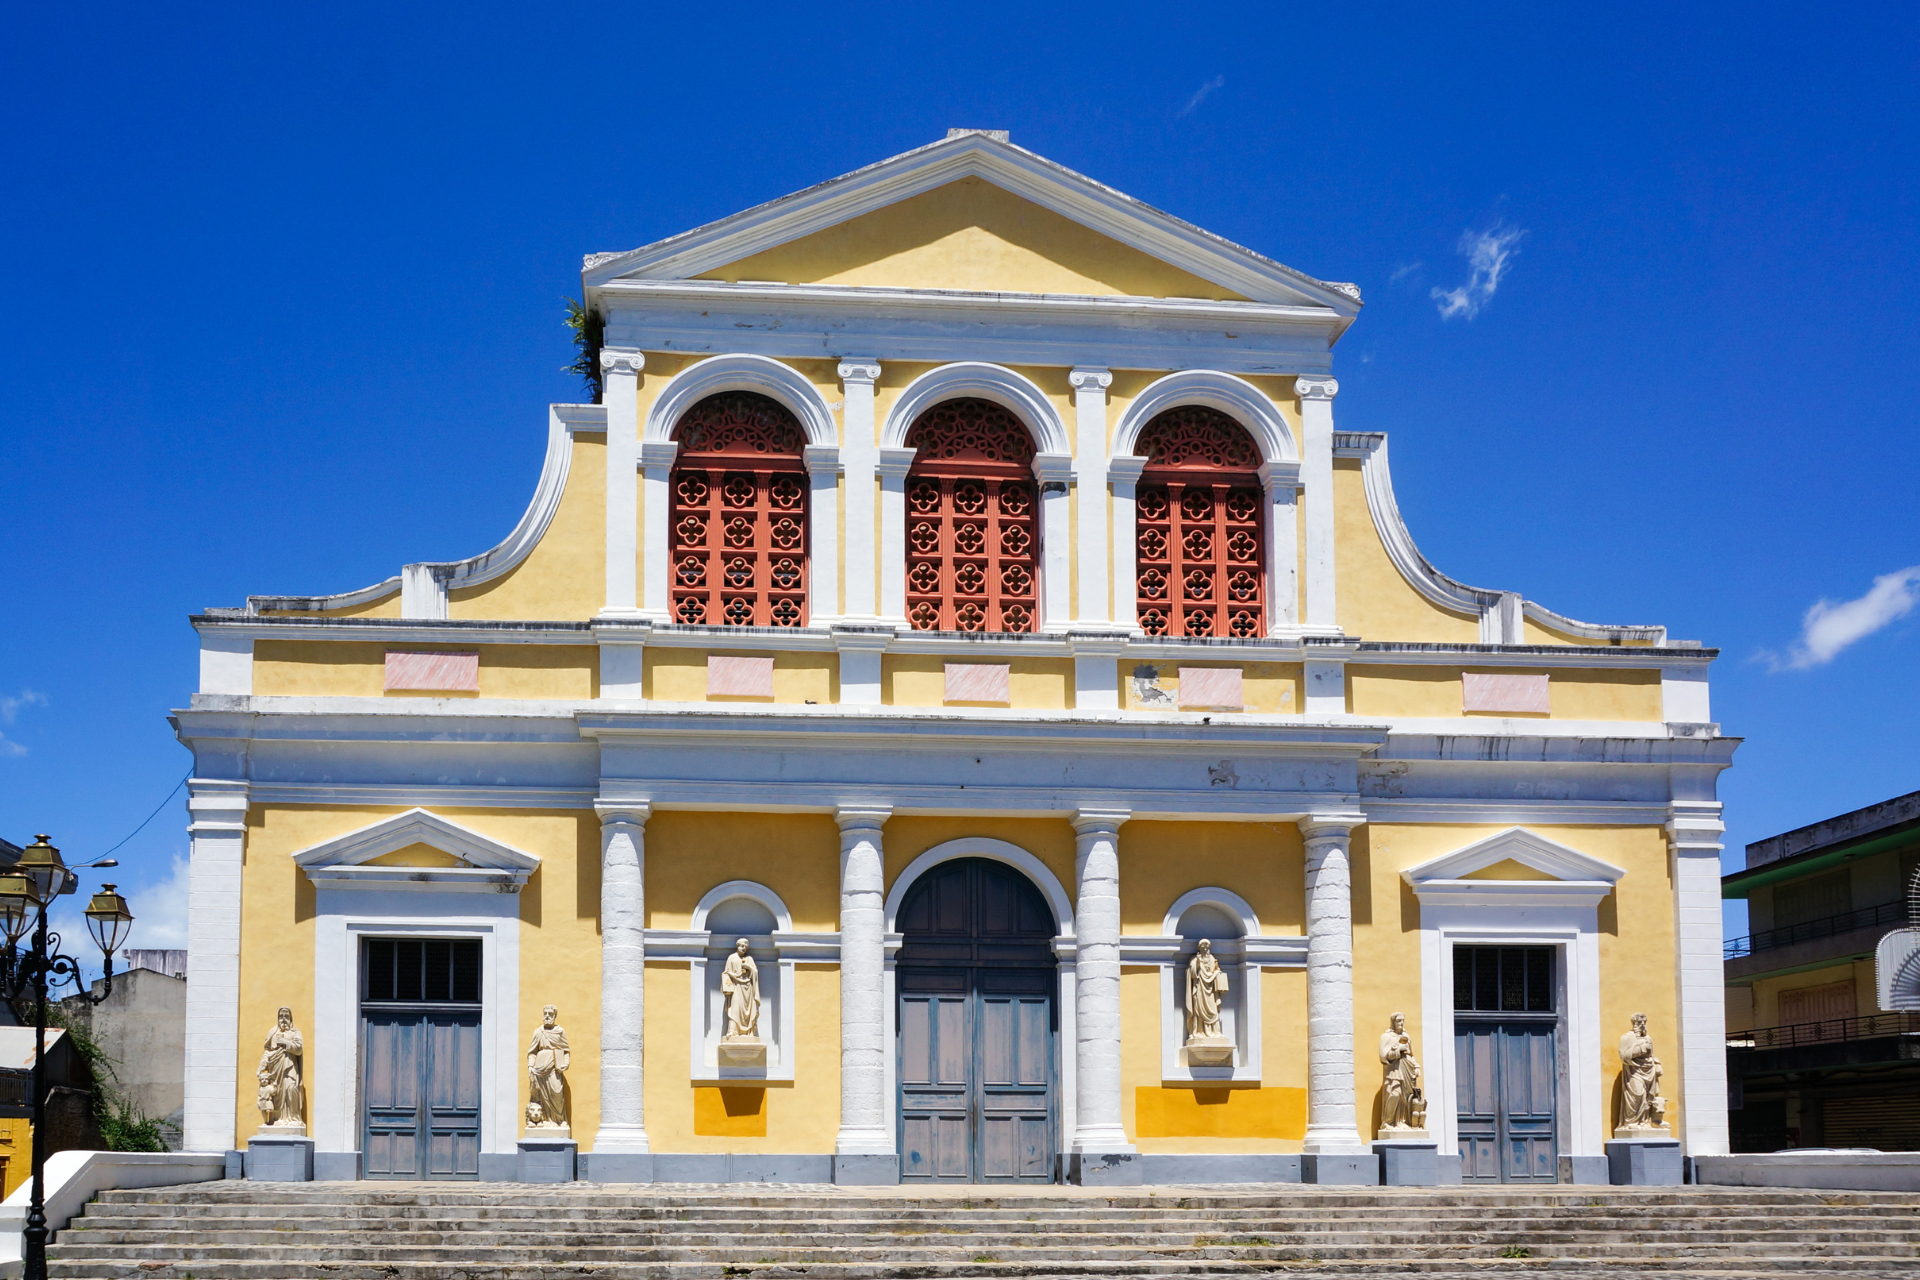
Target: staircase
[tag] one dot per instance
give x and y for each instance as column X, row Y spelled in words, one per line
column 442, row 1231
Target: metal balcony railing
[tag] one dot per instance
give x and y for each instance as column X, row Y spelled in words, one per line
column 1873, row 1026
column 1809, row 930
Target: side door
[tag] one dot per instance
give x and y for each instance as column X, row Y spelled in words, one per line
column 452, row 1094
column 394, row 1048
column 1014, row 1097
column 1528, row 1088
column 1477, row 1099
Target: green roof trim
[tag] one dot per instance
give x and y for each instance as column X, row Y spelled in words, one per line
column 1741, row 883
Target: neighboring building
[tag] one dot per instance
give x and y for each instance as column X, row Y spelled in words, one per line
column 142, row 1027
column 69, row 1100
column 963, row 595
column 1812, row 1058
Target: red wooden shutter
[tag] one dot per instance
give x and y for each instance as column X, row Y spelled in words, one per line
column 739, row 523
column 972, row 536
column 1200, row 544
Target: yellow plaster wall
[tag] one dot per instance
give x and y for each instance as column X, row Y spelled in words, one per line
column 920, row 680
column 1048, row 839
column 16, row 1154
column 1381, row 689
column 1263, row 862
column 970, row 234
column 1636, row 945
column 1270, row 688
column 1766, row 991
column 357, row 669
column 797, row 855
column 680, row 675
column 1372, row 600
column 564, row 577
column 416, row 855
column 790, row 1117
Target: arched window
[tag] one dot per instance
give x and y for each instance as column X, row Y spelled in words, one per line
column 972, row 544
column 739, row 514
column 1201, row 549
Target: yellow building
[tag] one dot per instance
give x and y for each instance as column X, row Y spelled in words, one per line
column 960, row 593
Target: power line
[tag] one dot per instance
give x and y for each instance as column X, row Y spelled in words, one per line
column 150, row 817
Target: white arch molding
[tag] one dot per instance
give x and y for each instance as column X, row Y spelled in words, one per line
column 996, row 850
column 1235, row 397
column 1012, row 392
column 1234, row 905
column 752, row 890
column 781, row 384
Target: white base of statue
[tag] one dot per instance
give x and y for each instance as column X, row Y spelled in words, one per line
column 746, row 1051
column 1400, row 1133
column 1643, row 1133
column 549, row 1132
column 282, row 1129
column 1209, row 1051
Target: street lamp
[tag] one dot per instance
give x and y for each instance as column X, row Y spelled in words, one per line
column 27, row 890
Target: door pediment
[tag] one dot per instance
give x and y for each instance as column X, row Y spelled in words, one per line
column 417, row 849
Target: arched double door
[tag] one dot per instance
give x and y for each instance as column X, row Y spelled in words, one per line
column 978, row 1027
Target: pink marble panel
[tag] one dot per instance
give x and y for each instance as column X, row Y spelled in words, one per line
column 1211, row 688
column 449, row 672
column 739, row 677
column 1514, row 695
column 979, row 682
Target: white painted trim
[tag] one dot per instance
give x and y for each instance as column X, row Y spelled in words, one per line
column 1090, row 440
column 333, row 1067
column 749, row 889
column 1123, row 474
column 655, row 460
column 892, row 466
column 758, row 374
column 859, row 452
column 226, row 662
column 1211, row 895
column 1235, row 397
column 1316, row 481
column 216, row 835
column 620, row 388
column 1694, row 832
column 983, row 847
column 340, row 863
column 1011, row 391
column 1280, row 486
column 1528, row 848
column 823, row 534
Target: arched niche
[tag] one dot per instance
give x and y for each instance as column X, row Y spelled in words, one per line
column 726, row 913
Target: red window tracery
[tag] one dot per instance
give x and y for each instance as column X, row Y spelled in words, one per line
column 1200, row 544
column 739, row 522
column 972, row 540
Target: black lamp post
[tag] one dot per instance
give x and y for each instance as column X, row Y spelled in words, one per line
column 27, row 889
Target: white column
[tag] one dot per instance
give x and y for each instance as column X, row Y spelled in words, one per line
column 892, row 467
column 823, row 533
column 1316, row 477
column 1124, row 472
column 1054, row 471
column 1280, row 480
column 864, row 1127
column 216, row 834
column 1332, row 1126
column 1090, row 449
column 859, row 451
column 1694, row 830
column 623, row 976
column 620, row 392
column 657, row 456
column 1096, row 929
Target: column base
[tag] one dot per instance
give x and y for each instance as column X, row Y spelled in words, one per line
column 1341, row 1169
column 866, row 1171
column 277, row 1159
column 547, row 1160
column 1103, row 1168
column 1408, row 1163
column 615, row 1166
column 1644, row 1164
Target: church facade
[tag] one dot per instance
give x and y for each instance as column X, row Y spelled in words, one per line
column 956, row 709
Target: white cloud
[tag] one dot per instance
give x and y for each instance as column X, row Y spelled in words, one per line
column 10, row 711
column 1199, row 96
column 1828, row 628
column 1488, row 253
column 159, row 916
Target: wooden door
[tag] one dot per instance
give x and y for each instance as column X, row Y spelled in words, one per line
column 1506, row 1087
column 420, row 1058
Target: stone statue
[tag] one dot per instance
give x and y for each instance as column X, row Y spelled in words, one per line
column 1207, row 1044
column 740, row 983
column 279, row 1076
column 1642, row 1109
column 547, row 1061
column 1403, row 1105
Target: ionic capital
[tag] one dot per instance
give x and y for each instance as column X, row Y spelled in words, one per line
column 621, row 361
column 859, row 370
column 1096, row 822
column 862, row 817
column 1085, row 379
column 623, row 813
column 1315, row 388
column 1330, row 826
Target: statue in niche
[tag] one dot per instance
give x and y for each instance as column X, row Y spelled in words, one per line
column 548, row 1059
column 740, row 984
column 279, row 1076
column 1207, row 1044
column 1642, row 1109
column 1403, row 1105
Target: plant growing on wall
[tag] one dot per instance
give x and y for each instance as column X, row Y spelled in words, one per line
column 123, row 1126
column 589, row 334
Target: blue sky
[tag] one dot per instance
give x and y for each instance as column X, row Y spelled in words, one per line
column 280, row 307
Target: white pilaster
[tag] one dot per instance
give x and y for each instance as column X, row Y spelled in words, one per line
column 1694, row 830
column 892, row 465
column 1124, row 473
column 216, row 834
column 859, row 451
column 623, row 654
column 1281, row 481
column 1316, row 478
column 1326, row 684
column 823, row 533
column 620, row 392
column 423, row 593
column 623, row 993
column 1054, row 471
column 864, row 1127
column 1096, row 927
column 861, row 649
column 656, row 458
column 226, row 663
column 1096, row 670
column 1332, row 1126
column 1090, row 450
column 1684, row 694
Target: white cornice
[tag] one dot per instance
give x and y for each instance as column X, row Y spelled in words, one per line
column 1515, row 844
column 1015, row 169
column 1511, row 894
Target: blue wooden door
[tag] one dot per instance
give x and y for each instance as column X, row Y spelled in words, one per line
column 976, row 1027
column 1506, row 1083
column 420, row 1059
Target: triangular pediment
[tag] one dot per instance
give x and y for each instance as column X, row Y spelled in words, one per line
column 1538, row 858
column 973, row 213
column 416, row 849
